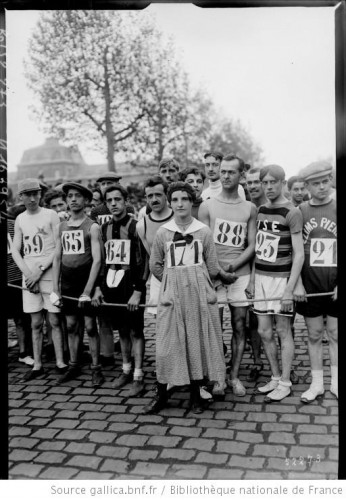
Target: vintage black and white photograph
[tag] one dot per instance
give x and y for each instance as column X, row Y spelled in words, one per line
column 172, row 244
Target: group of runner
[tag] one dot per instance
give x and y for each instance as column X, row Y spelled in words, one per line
column 240, row 241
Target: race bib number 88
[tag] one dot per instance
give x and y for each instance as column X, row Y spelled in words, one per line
column 72, row 242
column 267, row 246
column 231, row 234
column 180, row 253
column 118, row 251
column 33, row 245
column 323, row 252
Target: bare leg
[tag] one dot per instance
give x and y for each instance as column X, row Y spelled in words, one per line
column 54, row 320
column 37, row 337
column 283, row 329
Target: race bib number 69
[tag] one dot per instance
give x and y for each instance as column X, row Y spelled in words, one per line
column 267, row 246
column 72, row 242
column 231, row 234
column 180, row 253
column 118, row 251
column 323, row 252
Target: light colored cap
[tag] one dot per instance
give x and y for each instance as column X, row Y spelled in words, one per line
column 315, row 170
column 28, row 185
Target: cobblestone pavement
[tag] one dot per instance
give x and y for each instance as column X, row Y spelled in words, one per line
column 77, row 432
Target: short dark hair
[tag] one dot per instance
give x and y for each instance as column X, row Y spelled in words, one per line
column 215, row 154
column 253, row 170
column 53, row 194
column 116, row 187
column 231, row 157
column 274, row 170
column 154, row 181
column 181, row 186
column 169, row 162
column 191, row 170
column 293, row 179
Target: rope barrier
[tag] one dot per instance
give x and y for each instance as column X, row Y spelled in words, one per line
column 109, row 304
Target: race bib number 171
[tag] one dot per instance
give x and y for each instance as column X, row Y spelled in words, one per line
column 180, row 253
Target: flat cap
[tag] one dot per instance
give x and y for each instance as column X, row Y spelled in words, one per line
column 28, row 185
column 109, row 176
column 79, row 187
column 315, row 170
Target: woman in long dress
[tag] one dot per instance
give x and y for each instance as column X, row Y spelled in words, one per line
column 188, row 330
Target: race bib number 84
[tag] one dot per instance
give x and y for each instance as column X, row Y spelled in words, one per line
column 180, row 253
column 72, row 242
column 33, row 245
column 267, row 246
column 323, row 252
column 231, row 234
column 118, row 251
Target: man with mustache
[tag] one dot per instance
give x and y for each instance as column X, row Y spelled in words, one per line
column 156, row 195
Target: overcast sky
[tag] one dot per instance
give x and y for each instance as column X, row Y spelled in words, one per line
column 271, row 68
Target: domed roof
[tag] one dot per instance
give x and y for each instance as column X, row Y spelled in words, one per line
column 51, row 151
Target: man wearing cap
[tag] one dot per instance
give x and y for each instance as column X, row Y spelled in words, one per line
column 319, row 275
column 36, row 232
column 77, row 264
column 212, row 162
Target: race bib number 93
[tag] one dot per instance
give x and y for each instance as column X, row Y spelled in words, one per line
column 267, row 246
column 72, row 242
column 180, row 253
column 323, row 252
column 118, row 251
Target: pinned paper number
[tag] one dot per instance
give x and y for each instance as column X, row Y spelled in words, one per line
column 9, row 244
column 180, row 253
column 33, row 245
column 101, row 219
column 267, row 246
column 118, row 251
column 72, row 242
column 323, row 252
column 231, row 234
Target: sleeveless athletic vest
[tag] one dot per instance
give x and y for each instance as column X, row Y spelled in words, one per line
column 228, row 223
column 151, row 227
column 76, row 244
column 319, row 272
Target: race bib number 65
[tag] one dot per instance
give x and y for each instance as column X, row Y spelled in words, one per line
column 323, row 252
column 180, row 253
column 72, row 242
column 33, row 245
column 231, row 234
column 118, row 251
column 267, row 246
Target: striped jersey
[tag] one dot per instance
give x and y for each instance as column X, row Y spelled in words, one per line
column 275, row 224
column 13, row 271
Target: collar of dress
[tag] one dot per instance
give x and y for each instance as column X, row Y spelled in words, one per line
column 194, row 226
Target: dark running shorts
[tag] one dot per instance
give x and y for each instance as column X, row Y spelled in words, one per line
column 318, row 306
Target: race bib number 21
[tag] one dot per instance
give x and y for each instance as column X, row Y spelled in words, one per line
column 323, row 252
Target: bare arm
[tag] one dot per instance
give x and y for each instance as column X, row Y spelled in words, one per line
column 203, row 214
column 249, row 251
column 16, row 247
column 96, row 255
column 140, row 232
column 57, row 267
column 157, row 257
column 297, row 264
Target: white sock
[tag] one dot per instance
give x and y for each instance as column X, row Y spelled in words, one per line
column 127, row 368
column 138, row 374
column 317, row 379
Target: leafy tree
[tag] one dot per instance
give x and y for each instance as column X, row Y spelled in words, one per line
column 88, row 70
